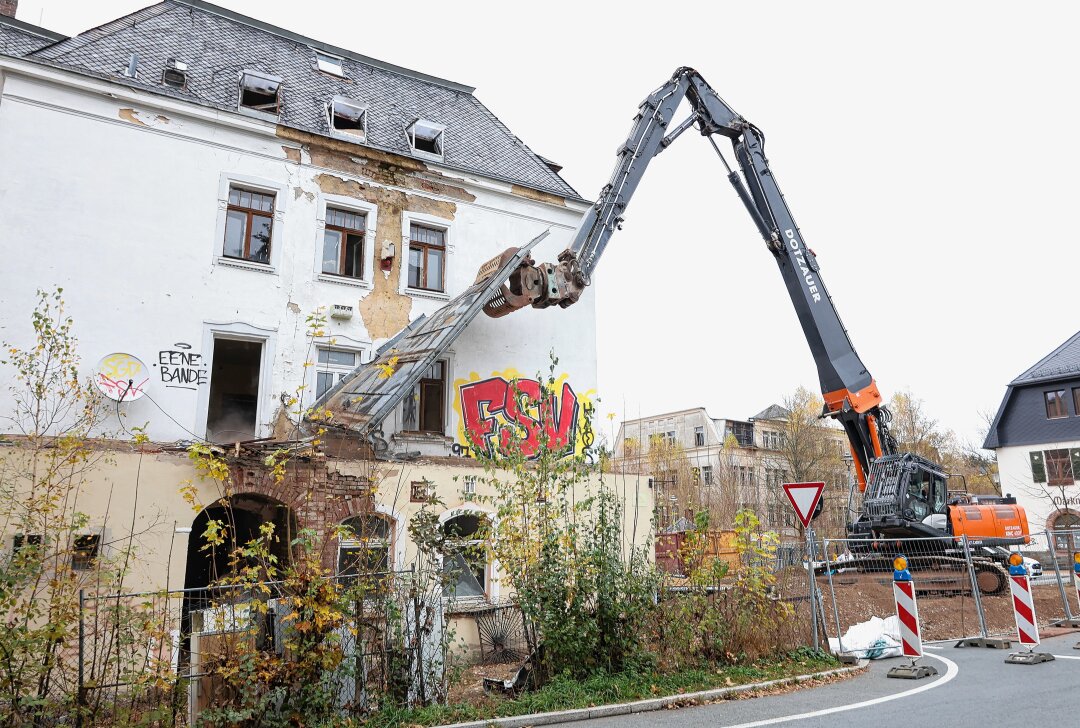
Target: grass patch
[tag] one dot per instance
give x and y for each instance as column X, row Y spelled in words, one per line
column 604, row 689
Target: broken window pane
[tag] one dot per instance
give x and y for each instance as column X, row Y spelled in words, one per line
column 260, row 91
column 465, row 560
column 331, row 251
column 347, row 117
column 426, row 136
column 354, row 256
column 235, row 233
column 259, row 249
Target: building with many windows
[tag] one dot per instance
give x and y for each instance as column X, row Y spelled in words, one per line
column 694, row 460
column 1036, row 435
column 239, row 216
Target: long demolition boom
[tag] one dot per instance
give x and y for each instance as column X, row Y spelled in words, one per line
column 849, row 391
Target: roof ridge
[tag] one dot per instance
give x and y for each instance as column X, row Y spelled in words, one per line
column 1046, row 359
column 99, row 32
column 32, row 29
column 536, row 157
column 331, row 49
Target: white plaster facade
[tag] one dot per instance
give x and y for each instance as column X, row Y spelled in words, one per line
column 118, row 197
column 1045, row 504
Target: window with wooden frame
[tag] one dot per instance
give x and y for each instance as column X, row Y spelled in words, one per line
column 422, row 410
column 1059, row 470
column 249, row 224
column 1055, row 404
column 699, row 436
column 427, row 258
column 343, row 243
column 465, row 559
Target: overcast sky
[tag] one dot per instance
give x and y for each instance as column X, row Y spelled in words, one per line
column 926, row 149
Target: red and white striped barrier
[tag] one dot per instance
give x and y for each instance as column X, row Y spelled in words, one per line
column 1027, row 628
column 907, row 612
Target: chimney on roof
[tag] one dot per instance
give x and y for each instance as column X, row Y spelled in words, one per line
column 8, row 7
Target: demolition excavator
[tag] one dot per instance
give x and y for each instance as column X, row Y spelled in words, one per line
column 902, row 494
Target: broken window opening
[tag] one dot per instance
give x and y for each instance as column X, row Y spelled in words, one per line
column 85, row 551
column 426, row 137
column 465, row 558
column 343, row 243
column 422, row 411
column 329, row 64
column 34, row 540
column 427, row 254
column 249, row 225
column 175, row 77
column 232, row 415
column 333, row 366
column 260, row 92
column 364, row 548
column 348, row 117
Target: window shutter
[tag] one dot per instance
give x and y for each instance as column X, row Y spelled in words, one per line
column 1075, row 455
column 1038, row 467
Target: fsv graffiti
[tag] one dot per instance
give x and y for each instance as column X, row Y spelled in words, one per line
column 496, row 410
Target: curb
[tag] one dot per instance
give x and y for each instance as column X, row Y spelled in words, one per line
column 644, row 706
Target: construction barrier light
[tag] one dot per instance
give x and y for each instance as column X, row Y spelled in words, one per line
column 1076, row 563
column 1016, row 565
column 900, row 569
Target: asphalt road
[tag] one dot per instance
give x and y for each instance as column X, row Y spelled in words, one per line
column 974, row 687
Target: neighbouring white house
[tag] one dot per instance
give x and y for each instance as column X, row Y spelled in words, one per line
column 1036, row 435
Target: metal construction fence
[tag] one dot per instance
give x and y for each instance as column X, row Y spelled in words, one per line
column 134, row 648
column 962, row 588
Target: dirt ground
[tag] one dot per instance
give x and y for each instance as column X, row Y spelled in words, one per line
column 861, row 596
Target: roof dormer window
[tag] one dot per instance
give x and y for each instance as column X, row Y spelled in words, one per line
column 348, row 117
column 260, row 92
column 175, row 74
column 329, row 64
column 426, row 138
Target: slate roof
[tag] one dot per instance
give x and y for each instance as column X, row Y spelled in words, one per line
column 1021, row 417
column 1062, row 362
column 217, row 44
column 772, row 412
column 18, row 38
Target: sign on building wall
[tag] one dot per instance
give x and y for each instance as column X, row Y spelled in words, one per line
column 491, row 409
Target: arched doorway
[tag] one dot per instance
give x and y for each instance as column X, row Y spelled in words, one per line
column 242, row 517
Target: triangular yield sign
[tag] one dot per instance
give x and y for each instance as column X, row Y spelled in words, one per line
column 804, row 498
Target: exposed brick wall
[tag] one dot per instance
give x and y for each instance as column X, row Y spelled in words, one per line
column 318, row 497
column 8, row 7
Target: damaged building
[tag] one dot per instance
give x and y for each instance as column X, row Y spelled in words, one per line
column 246, row 222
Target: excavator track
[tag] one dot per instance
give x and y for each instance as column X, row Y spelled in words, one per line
column 939, row 575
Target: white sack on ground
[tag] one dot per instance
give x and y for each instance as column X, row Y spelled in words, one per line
column 874, row 639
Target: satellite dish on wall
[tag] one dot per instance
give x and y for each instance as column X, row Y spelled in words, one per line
column 121, row 377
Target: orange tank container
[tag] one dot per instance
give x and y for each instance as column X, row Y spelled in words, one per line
column 989, row 523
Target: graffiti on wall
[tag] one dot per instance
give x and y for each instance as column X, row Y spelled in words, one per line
column 494, row 409
column 121, row 376
column 181, row 368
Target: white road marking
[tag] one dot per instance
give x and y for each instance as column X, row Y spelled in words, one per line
column 1067, row 657
column 951, row 671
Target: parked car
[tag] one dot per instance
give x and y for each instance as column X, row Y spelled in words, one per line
column 1001, row 555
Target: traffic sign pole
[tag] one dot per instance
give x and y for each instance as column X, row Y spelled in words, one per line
column 804, row 498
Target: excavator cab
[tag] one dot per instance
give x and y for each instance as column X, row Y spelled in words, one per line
column 906, row 495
